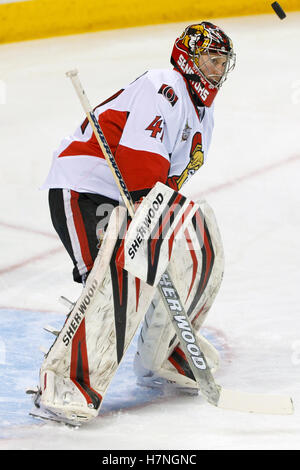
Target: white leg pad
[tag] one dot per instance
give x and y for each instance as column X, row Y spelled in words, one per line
column 81, row 363
column 196, row 269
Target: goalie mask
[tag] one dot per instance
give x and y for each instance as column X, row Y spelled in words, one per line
column 204, row 55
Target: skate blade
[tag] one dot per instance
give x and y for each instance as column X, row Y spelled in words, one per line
column 48, row 416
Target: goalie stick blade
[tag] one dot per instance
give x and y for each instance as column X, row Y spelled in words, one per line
column 255, row 403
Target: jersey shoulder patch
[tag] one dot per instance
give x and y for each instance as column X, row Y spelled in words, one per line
column 168, row 92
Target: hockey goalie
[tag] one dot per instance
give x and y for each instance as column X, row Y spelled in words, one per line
column 159, row 130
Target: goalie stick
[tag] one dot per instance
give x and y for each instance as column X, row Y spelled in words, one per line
column 213, row 393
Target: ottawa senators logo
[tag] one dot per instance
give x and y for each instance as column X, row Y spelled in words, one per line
column 196, row 39
column 196, row 161
column 168, row 92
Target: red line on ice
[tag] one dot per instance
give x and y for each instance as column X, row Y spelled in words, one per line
column 27, row 229
column 32, row 259
column 247, row 176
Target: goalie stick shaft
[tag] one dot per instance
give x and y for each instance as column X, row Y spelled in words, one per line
column 214, row 393
column 179, row 317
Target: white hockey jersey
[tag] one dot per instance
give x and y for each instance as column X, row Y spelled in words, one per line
column 154, row 131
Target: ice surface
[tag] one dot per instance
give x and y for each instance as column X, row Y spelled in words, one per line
column 252, row 181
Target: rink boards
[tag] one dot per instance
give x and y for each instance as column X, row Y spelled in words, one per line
column 31, row 19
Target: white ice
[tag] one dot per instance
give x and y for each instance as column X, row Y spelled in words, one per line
column 252, row 181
